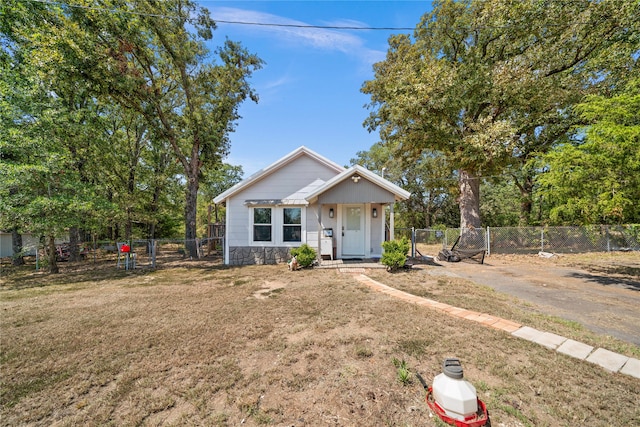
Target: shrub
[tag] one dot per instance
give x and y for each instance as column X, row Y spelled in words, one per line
column 305, row 255
column 395, row 253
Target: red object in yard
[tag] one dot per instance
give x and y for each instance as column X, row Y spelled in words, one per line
column 125, row 248
column 476, row 420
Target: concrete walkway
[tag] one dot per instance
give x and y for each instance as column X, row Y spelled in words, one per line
column 608, row 360
column 346, row 266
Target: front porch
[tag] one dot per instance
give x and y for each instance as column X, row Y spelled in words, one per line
column 351, row 265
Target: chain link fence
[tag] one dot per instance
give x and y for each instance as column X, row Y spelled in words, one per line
column 525, row 240
column 133, row 254
column 160, row 253
column 163, row 252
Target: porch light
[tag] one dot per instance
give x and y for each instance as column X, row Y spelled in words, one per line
column 331, row 213
column 375, row 213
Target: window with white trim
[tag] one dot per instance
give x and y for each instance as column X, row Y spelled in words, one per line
column 292, row 225
column 262, row 225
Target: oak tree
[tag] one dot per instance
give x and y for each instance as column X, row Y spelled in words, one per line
column 488, row 83
column 596, row 179
column 153, row 60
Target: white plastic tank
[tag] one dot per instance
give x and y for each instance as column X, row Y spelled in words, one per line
column 454, row 394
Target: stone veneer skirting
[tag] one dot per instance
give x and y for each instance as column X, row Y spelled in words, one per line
column 250, row 255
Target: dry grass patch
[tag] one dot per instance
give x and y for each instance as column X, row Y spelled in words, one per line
column 208, row 347
column 463, row 293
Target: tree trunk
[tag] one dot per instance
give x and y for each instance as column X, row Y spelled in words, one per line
column 469, row 201
column 526, row 202
column 151, row 230
column 429, row 214
column 53, row 261
column 74, row 244
column 16, row 243
column 190, row 214
column 525, row 210
column 154, row 211
column 131, row 188
column 128, row 227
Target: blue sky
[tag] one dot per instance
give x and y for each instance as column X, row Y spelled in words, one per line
column 310, row 84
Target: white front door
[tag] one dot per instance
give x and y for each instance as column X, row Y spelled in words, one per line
column 353, row 233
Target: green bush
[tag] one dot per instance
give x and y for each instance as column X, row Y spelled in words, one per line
column 305, row 255
column 395, row 253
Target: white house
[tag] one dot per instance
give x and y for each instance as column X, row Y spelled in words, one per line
column 29, row 244
column 306, row 198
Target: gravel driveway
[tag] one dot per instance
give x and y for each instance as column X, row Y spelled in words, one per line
column 604, row 303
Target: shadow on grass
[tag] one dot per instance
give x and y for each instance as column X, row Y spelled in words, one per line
column 26, row 277
column 607, row 280
column 623, row 270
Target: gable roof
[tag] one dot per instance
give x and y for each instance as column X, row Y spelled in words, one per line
column 300, row 151
column 399, row 193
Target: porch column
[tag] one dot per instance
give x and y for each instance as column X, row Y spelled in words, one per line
column 391, row 221
column 318, row 254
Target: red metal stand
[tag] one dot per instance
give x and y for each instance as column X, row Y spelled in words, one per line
column 478, row 419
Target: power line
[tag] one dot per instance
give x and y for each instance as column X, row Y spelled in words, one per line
column 324, row 27
column 267, row 24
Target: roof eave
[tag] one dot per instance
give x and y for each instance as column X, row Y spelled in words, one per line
column 273, row 167
column 399, row 193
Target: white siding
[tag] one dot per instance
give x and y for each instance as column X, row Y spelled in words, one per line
column 377, row 230
column 29, row 244
column 363, row 191
column 277, row 185
column 287, row 180
column 237, row 230
column 312, row 223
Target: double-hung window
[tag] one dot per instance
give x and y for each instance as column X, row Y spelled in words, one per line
column 262, row 225
column 277, row 225
column 292, row 225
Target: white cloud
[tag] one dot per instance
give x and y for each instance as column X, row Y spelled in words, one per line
column 320, row 38
column 277, row 83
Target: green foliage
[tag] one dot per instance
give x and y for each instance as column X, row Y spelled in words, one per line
column 44, row 185
column 429, row 179
column 395, row 253
column 305, row 255
column 490, row 84
column 403, row 374
column 597, row 180
column 500, row 205
column 214, row 182
column 132, row 108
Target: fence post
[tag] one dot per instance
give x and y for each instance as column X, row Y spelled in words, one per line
column 606, row 227
column 413, row 242
column 542, row 240
column 153, row 243
column 95, row 248
column 488, row 241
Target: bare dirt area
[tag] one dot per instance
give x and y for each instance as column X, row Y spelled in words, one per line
column 600, row 291
column 204, row 344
